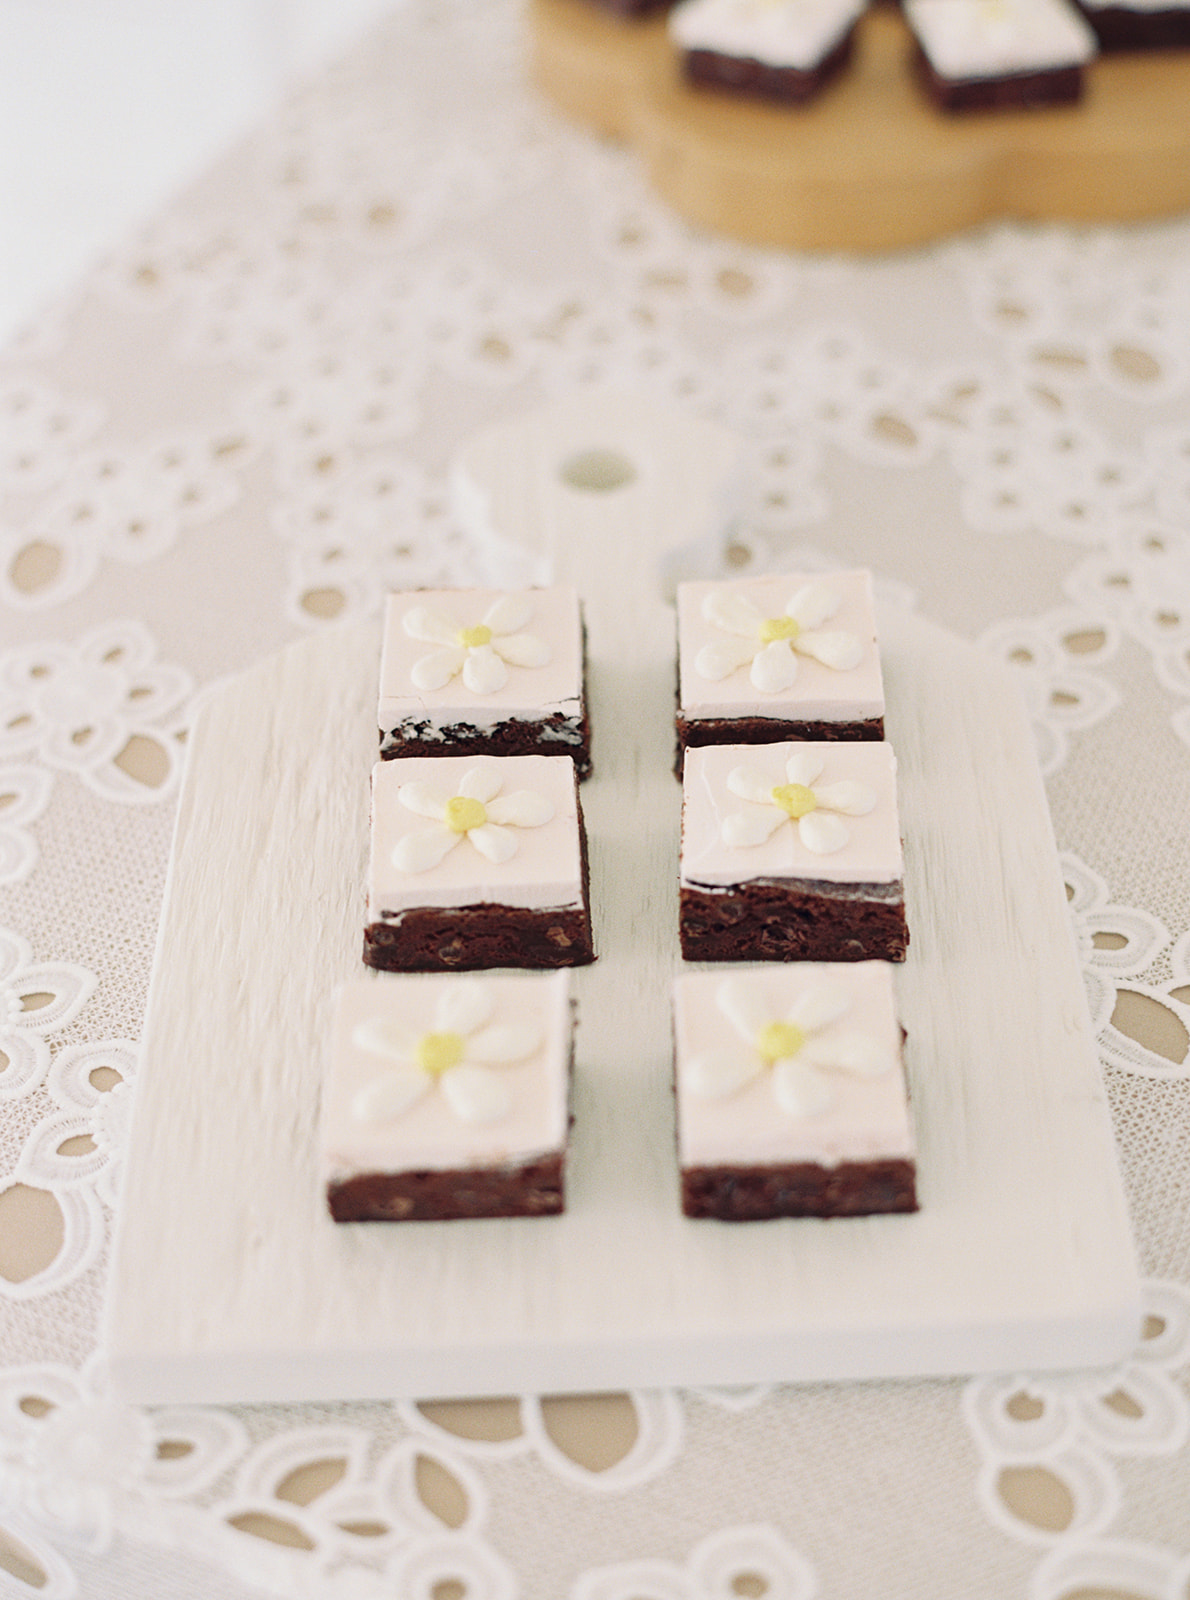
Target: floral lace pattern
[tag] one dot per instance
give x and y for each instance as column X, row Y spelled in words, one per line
column 413, row 248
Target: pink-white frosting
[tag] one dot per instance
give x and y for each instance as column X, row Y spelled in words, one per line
column 530, row 692
column 819, row 692
column 781, row 33
column 544, row 871
column 428, row 1134
column 872, row 853
column 867, row 1115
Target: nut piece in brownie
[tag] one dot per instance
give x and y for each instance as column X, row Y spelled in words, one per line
column 791, row 852
column 1000, row 54
column 484, row 672
column 786, row 50
column 780, row 657
column 1139, row 24
column 791, row 1095
column 447, row 1097
column 477, row 861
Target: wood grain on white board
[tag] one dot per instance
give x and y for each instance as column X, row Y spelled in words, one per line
column 230, row 1282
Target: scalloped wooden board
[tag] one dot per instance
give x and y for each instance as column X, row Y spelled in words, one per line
column 230, row 1282
column 870, row 165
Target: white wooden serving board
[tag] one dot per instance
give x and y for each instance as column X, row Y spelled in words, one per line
column 231, row 1283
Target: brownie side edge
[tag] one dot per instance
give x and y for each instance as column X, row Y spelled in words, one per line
column 800, row 1189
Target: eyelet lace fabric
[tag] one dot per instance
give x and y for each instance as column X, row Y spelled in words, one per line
column 239, row 430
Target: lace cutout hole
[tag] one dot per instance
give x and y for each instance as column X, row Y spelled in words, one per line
column 173, row 1449
column 1035, row 1496
column 595, row 1431
column 1151, row 1025
column 1024, row 1407
column 894, row 430
column 1085, row 642
column 491, row 1421
column 1122, row 1403
column 274, row 1530
column 21, row 1564
column 32, row 1232
column 104, row 1079
column 440, row 1491
column 145, row 761
column 749, row 1586
column 81, row 1144
column 325, row 604
column 598, row 471
column 304, row 1484
column 1138, row 366
column 448, row 1589
column 35, row 1406
column 36, row 1001
column 365, row 1530
column 35, row 567
column 1109, row 941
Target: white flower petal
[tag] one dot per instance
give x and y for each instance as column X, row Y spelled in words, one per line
column 731, row 611
column 388, row 1095
column 804, row 766
column 504, row 1042
column 494, row 844
column 418, row 852
column 421, row 800
column 524, row 808
column 719, row 1073
column 774, row 669
column 822, row 832
column 852, row 1051
column 523, row 650
column 842, row 651
column 848, row 795
column 742, row 1007
column 743, row 830
column 509, row 613
column 824, row 1002
column 722, row 657
column 814, row 603
column 437, row 669
column 381, row 1036
column 475, row 1094
column 799, row 1089
column 483, row 670
column 746, row 783
column 430, row 626
column 463, row 1006
column 481, row 782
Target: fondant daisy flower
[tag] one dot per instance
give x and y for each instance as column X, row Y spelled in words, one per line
column 801, row 1048
column 815, row 809
column 773, row 644
column 483, row 652
column 458, row 1054
column 478, row 812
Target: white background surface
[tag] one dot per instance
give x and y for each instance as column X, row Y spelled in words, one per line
column 107, row 106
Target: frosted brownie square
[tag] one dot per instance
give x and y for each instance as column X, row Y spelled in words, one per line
column 1139, row 24
column 447, row 1097
column 786, row 656
column 791, row 1094
column 984, row 54
column 477, row 861
column 786, row 50
column 791, row 852
column 484, row 672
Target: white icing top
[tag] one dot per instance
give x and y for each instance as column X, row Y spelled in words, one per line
column 1137, row 5
column 780, row 33
column 390, row 1105
column 739, row 657
column 740, row 823
column 795, row 1062
column 480, row 656
column 995, row 38
column 470, row 830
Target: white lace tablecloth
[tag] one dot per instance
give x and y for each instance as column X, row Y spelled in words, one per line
column 240, row 429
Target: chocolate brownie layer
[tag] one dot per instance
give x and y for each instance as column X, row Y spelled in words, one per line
column 801, row 1189
column 467, row 938
column 1126, row 28
column 1017, row 90
column 768, row 920
column 790, row 85
column 532, row 1190
column 555, row 735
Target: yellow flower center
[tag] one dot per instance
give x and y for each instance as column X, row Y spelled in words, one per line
column 778, row 628
column 436, row 1052
column 472, row 638
column 778, row 1040
column 794, row 799
column 463, row 814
